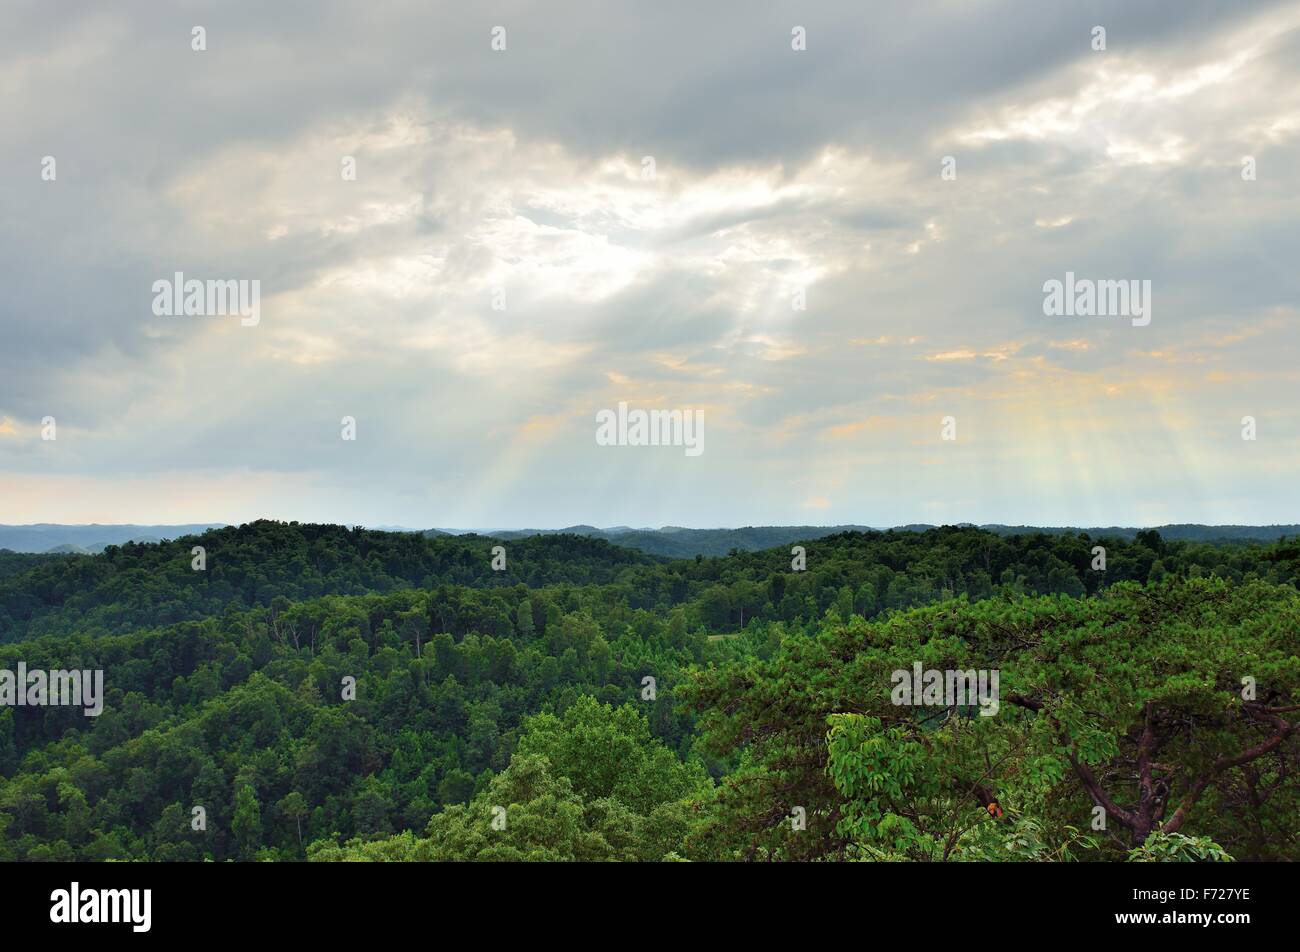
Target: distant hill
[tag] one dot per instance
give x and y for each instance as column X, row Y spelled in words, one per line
column 679, row 543
column 1178, row 532
column 671, row 541
column 49, row 537
column 141, row 584
column 676, row 542
column 131, row 585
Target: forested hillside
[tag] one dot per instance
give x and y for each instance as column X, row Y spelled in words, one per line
column 149, row 584
column 679, row 543
column 330, row 693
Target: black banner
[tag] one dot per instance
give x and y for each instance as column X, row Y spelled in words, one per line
column 334, row 901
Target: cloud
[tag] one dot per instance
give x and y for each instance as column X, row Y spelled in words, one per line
column 503, row 266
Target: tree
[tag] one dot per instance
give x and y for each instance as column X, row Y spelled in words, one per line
column 247, row 823
column 1156, row 733
column 524, row 619
column 294, row 806
column 609, row 752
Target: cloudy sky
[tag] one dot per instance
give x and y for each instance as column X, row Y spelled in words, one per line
column 518, row 178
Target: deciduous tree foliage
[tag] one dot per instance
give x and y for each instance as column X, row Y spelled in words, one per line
column 1131, row 701
column 523, row 689
column 590, row 786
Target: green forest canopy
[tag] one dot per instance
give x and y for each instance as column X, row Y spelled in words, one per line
column 511, row 714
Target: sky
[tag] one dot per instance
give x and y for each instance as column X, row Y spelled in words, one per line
column 834, row 257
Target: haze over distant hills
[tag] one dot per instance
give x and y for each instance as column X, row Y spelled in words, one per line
column 50, row 537
column 679, row 542
column 674, row 541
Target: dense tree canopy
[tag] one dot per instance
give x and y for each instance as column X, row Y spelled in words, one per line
column 336, row 693
column 1131, row 702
